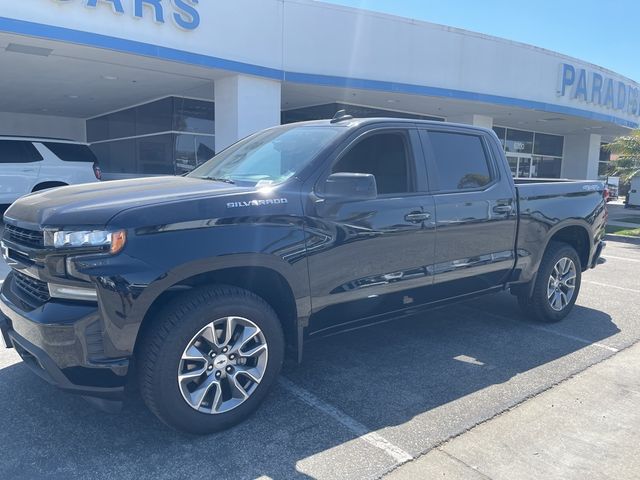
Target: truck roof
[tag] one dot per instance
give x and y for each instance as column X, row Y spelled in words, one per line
column 353, row 122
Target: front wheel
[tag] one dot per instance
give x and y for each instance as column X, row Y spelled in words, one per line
column 557, row 284
column 209, row 360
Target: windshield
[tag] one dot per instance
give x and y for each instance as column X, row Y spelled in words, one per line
column 268, row 157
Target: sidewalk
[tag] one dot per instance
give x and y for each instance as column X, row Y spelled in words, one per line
column 586, row 427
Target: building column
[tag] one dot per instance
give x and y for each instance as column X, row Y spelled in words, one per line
column 244, row 105
column 472, row 119
column 581, row 155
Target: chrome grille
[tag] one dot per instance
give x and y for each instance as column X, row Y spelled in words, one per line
column 34, row 291
column 22, row 236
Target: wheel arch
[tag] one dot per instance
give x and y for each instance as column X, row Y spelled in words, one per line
column 575, row 234
column 265, row 281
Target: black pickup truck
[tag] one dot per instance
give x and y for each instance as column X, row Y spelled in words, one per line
column 204, row 282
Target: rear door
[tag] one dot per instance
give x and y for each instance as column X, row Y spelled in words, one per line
column 368, row 258
column 476, row 214
column 19, row 168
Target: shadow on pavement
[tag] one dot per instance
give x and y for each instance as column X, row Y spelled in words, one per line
column 382, row 376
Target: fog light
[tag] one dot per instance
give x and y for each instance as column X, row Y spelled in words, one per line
column 72, row 293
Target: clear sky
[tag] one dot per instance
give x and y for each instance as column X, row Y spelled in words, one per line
column 603, row 32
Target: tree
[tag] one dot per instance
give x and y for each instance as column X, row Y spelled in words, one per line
column 628, row 150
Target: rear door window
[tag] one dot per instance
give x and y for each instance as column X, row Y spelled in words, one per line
column 460, row 161
column 71, row 152
column 18, row 151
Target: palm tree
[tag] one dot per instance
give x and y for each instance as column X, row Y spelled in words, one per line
column 628, row 150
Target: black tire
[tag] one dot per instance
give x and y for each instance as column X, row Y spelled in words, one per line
column 538, row 306
column 164, row 342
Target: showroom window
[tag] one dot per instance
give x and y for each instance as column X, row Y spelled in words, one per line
column 532, row 154
column 170, row 136
column 603, row 164
column 192, row 150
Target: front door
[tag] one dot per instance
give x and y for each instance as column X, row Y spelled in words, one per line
column 368, row 258
column 476, row 214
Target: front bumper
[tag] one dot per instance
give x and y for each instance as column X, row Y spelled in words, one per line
column 58, row 342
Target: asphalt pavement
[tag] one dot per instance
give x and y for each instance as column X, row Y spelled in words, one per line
column 360, row 405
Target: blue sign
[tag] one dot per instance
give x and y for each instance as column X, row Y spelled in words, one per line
column 592, row 87
column 182, row 12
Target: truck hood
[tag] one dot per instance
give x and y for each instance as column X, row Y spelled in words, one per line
column 95, row 203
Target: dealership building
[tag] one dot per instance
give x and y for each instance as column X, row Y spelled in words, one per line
column 157, row 86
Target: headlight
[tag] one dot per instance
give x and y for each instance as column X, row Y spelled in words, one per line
column 93, row 238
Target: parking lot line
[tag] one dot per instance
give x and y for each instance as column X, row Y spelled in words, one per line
column 622, row 258
column 612, row 286
column 373, row 438
column 545, row 329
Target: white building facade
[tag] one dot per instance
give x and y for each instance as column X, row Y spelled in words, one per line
column 144, row 81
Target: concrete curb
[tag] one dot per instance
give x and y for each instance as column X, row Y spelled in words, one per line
column 615, row 223
column 622, row 238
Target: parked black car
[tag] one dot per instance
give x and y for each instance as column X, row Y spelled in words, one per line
column 204, row 281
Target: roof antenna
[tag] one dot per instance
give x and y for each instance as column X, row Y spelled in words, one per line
column 340, row 116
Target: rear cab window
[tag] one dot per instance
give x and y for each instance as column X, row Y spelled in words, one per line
column 459, row 161
column 18, row 151
column 71, row 152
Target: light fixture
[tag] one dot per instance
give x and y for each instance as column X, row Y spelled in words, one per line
column 73, row 96
column 109, row 77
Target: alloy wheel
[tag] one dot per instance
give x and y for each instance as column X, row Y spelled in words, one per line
column 562, row 284
column 222, row 365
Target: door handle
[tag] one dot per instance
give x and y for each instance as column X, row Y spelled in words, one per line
column 502, row 208
column 417, row 217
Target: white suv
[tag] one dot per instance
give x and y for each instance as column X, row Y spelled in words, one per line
column 31, row 164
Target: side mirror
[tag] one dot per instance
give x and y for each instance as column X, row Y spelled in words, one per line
column 351, row 186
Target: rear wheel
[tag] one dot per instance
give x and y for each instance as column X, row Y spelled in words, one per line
column 557, row 284
column 210, row 359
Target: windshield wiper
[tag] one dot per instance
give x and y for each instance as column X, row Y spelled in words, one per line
column 219, row 179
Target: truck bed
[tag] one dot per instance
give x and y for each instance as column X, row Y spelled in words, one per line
column 545, row 203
